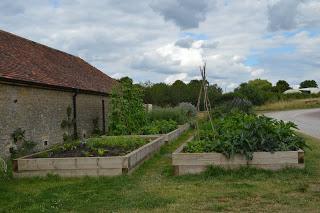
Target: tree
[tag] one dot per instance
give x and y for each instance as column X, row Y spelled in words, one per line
column 162, row 94
column 252, row 92
column 281, row 86
column 261, row 84
column 177, row 92
column 308, row 83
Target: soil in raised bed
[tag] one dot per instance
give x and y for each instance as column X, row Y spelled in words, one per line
column 84, row 151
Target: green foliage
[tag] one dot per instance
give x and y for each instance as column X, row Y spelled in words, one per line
column 255, row 94
column 235, row 105
column 260, row 84
column 96, row 146
column 308, row 83
column 18, row 135
column 67, row 124
column 160, row 127
column 127, row 115
column 22, row 145
column 101, row 152
column 96, row 130
column 3, row 167
column 180, row 114
column 189, row 109
column 240, row 133
column 281, row 86
column 163, row 95
column 125, row 142
column 169, row 113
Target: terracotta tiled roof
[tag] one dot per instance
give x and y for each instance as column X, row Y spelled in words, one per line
column 28, row 61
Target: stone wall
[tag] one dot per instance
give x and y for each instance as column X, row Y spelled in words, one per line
column 89, row 107
column 40, row 112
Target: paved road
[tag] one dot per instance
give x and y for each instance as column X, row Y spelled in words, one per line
column 308, row 120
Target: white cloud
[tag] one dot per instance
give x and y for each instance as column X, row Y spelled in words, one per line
column 148, row 40
column 172, row 78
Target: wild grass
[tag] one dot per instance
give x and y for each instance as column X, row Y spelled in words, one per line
column 153, row 187
column 290, row 104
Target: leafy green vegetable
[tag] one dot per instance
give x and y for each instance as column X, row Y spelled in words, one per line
column 160, row 127
column 240, row 133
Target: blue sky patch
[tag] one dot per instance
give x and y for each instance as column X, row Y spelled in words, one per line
column 251, row 61
column 281, row 49
column 195, row 36
column 55, row 3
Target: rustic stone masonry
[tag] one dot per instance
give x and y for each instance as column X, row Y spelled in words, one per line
column 40, row 112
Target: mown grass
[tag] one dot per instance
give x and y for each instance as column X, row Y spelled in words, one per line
column 290, row 104
column 153, row 187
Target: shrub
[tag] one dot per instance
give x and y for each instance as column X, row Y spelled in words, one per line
column 240, row 133
column 235, row 105
column 241, row 104
column 188, row 108
column 176, row 114
column 180, row 114
column 160, row 127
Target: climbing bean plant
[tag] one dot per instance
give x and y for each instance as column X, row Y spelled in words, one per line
column 127, row 115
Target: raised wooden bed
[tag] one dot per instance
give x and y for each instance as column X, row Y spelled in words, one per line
column 92, row 166
column 193, row 163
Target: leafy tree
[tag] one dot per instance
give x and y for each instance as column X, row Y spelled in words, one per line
column 308, row 83
column 252, row 92
column 257, row 91
column 281, row 86
column 261, row 84
column 162, row 94
column 127, row 114
column 178, row 92
column 159, row 94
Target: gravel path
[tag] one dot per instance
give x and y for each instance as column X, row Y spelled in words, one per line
column 308, row 120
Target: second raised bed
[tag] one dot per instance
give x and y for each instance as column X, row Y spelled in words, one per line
column 92, row 166
column 193, row 163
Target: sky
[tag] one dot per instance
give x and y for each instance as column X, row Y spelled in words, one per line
column 167, row 40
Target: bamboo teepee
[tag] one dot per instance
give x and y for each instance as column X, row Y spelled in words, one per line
column 203, row 94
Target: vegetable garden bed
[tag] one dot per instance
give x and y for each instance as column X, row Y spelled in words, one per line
column 193, row 163
column 239, row 139
column 33, row 165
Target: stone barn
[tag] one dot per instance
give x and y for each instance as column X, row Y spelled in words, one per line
column 38, row 84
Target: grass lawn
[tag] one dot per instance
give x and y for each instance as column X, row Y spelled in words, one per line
column 291, row 104
column 152, row 187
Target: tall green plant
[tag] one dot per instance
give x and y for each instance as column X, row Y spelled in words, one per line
column 67, row 124
column 128, row 114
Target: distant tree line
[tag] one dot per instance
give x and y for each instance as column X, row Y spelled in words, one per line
column 162, row 94
column 256, row 91
column 260, row 91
